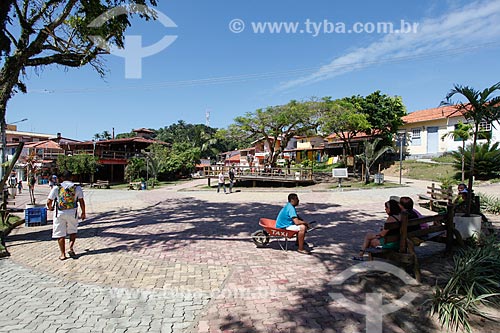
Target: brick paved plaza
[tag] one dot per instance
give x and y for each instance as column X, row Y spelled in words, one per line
column 181, row 260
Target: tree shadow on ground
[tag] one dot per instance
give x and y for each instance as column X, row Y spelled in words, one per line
column 179, row 223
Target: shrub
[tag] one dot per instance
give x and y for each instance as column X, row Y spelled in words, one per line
column 475, row 280
column 487, row 161
column 489, row 203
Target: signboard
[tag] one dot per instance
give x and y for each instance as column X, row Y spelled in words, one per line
column 339, row 173
column 350, row 160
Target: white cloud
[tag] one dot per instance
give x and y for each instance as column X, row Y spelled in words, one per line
column 465, row 27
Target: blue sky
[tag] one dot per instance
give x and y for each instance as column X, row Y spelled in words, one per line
column 209, row 67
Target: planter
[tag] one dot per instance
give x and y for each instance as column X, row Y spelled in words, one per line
column 467, row 225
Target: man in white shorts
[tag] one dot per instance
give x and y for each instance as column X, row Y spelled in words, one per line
column 288, row 219
column 66, row 196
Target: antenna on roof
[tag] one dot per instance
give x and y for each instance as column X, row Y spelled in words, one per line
column 207, row 117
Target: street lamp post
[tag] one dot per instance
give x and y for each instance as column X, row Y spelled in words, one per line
column 401, row 136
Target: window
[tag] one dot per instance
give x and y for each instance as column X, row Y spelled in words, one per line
column 415, row 137
column 484, row 126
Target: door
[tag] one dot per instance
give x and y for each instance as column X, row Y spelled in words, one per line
column 432, row 140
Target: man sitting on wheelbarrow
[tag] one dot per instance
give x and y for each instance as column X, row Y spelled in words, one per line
column 289, row 220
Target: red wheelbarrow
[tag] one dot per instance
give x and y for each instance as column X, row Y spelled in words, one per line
column 261, row 237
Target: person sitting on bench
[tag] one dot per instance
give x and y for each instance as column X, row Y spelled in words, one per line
column 289, row 220
column 393, row 211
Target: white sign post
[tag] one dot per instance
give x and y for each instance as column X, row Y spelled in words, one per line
column 340, row 173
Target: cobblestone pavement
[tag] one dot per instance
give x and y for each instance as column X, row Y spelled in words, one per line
column 170, row 260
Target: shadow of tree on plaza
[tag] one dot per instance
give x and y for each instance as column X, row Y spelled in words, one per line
column 318, row 311
column 179, row 223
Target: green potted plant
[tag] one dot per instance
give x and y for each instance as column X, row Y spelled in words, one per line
column 476, row 107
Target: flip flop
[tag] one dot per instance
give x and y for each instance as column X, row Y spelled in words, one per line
column 72, row 254
column 63, row 258
column 358, row 258
column 304, row 251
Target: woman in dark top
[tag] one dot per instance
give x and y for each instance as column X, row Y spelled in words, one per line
column 373, row 240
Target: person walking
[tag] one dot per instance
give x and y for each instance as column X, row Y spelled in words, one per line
column 221, row 182
column 65, row 199
column 231, row 179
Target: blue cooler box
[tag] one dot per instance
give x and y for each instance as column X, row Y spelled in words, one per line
column 35, row 216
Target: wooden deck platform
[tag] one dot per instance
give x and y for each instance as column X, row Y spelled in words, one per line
column 278, row 175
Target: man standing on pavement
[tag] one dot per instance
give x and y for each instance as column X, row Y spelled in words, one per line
column 221, row 181
column 231, row 179
column 66, row 196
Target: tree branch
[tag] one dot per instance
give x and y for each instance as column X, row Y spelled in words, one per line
column 42, row 11
column 66, row 11
column 22, row 19
column 66, row 59
column 36, row 46
column 11, row 37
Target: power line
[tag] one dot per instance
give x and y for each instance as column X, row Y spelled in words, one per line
column 267, row 75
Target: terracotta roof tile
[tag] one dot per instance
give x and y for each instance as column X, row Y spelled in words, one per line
column 431, row 114
column 42, row 144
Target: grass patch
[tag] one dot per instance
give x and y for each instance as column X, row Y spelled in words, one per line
column 446, row 158
column 422, row 171
column 12, row 220
column 125, row 186
column 5, row 226
column 362, row 185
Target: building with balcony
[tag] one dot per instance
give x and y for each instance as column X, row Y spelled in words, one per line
column 113, row 155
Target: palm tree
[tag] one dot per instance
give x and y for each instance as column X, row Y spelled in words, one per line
column 479, row 106
column 462, row 132
column 106, row 135
column 370, row 156
column 32, row 170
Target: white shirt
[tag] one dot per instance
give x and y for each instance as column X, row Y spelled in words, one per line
column 221, row 178
column 54, row 195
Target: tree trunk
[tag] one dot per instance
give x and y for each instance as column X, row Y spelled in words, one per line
column 463, row 161
column 471, row 173
column 9, row 77
column 367, row 174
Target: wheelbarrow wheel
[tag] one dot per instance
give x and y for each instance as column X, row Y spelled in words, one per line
column 260, row 238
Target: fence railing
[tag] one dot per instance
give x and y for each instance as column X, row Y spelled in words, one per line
column 261, row 173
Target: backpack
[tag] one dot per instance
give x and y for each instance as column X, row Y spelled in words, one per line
column 66, row 198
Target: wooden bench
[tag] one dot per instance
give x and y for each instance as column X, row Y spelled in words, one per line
column 440, row 228
column 437, row 198
column 101, row 184
column 134, row 185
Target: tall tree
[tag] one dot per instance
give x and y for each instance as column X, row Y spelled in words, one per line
column 78, row 164
column 35, row 34
column 344, row 119
column 478, row 106
column 383, row 112
column 156, row 159
column 182, row 159
column 206, row 138
column 278, row 123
